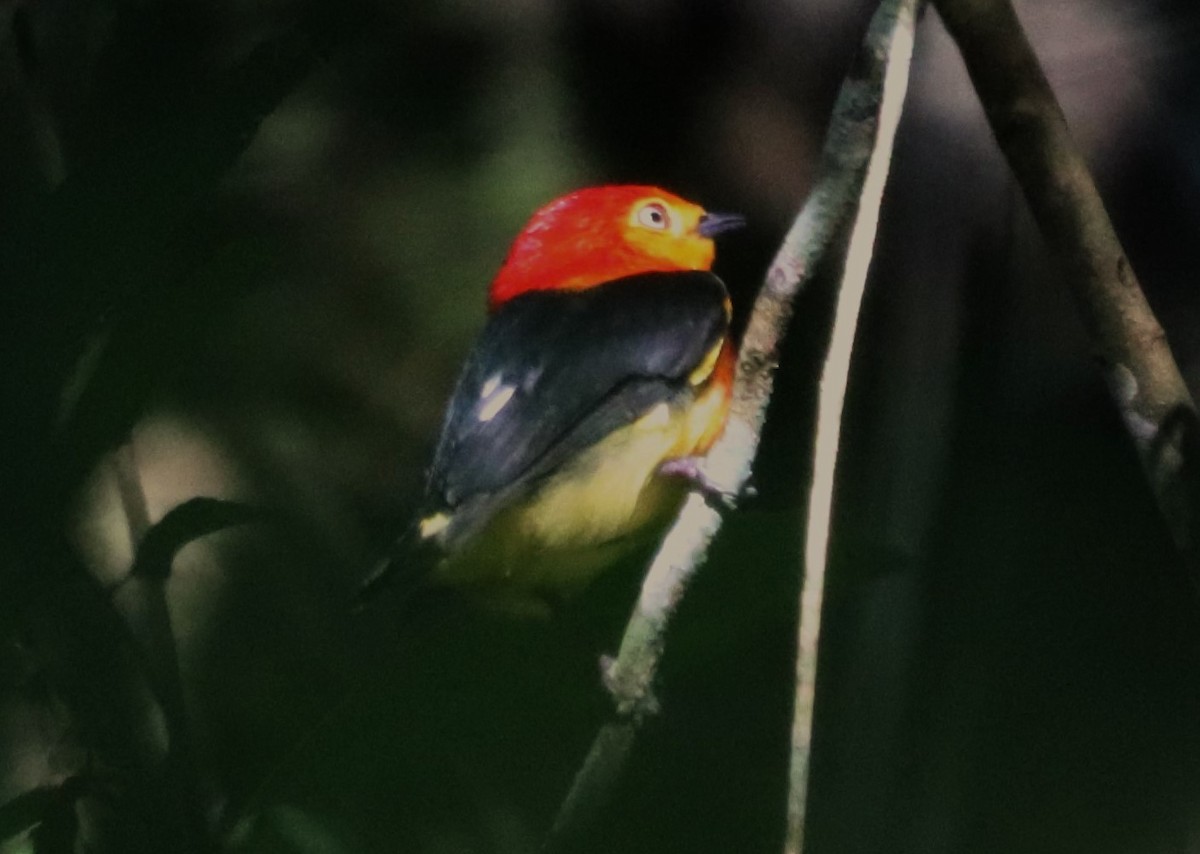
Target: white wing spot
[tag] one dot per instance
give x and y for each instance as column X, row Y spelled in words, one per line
column 433, row 525
column 489, row 387
column 495, row 401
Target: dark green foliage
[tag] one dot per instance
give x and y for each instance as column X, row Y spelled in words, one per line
column 266, row 258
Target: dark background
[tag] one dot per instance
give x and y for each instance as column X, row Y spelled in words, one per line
column 249, row 242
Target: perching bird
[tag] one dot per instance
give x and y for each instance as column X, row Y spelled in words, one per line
column 604, row 371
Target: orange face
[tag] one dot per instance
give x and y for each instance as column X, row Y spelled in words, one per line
column 600, row 234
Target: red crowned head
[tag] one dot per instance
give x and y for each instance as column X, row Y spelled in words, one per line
column 598, row 234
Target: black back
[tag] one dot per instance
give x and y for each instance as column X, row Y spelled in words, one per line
column 579, row 364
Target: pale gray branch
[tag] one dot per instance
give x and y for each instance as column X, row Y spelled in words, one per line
column 892, row 33
column 1131, row 346
column 821, row 228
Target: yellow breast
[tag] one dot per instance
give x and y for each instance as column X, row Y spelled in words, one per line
column 594, row 509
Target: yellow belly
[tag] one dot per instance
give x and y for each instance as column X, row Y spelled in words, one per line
column 589, row 513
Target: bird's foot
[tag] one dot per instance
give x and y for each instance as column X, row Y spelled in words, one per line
column 691, row 469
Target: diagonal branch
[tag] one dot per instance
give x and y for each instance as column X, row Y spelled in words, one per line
column 1131, row 346
column 820, row 231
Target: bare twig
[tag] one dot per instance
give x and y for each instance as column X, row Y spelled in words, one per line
column 142, row 604
column 821, row 228
column 1130, row 344
column 892, row 33
column 184, row 523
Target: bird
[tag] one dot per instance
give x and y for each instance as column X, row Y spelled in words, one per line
column 601, row 377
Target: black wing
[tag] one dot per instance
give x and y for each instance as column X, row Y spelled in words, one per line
column 555, row 372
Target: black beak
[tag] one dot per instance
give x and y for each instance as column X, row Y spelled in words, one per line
column 712, row 224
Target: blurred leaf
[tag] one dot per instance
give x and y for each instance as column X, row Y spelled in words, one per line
column 25, row 810
column 287, row 830
column 304, row 831
column 22, row 844
column 56, row 834
column 51, row 809
column 144, row 345
column 120, row 228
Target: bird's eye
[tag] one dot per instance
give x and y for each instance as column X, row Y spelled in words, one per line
column 654, row 215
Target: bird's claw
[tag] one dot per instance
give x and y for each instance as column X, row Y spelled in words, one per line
column 691, row 469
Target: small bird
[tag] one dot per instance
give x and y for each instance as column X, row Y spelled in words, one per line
column 603, row 374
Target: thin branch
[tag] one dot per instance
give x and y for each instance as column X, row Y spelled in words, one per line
column 893, row 31
column 184, row 523
column 142, row 604
column 1131, row 346
column 820, row 229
